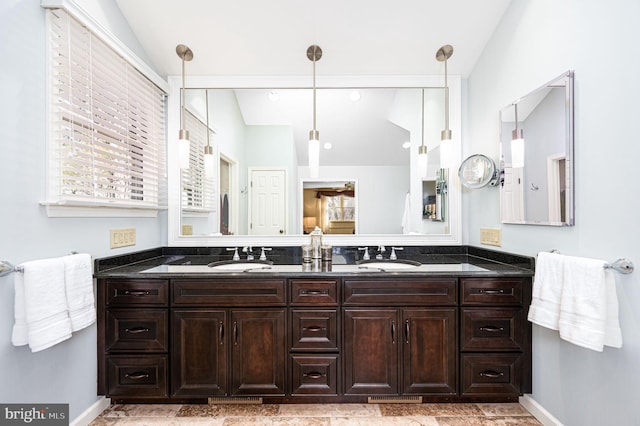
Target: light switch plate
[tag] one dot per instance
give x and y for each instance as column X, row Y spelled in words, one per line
column 491, row 236
column 122, row 237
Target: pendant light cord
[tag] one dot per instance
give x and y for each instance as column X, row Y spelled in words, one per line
column 314, row 88
column 446, row 98
column 182, row 98
column 422, row 131
column 206, row 100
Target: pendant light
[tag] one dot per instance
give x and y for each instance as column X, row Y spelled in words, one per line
column 422, row 149
column 517, row 143
column 208, row 150
column 314, row 53
column 446, row 145
column 184, row 146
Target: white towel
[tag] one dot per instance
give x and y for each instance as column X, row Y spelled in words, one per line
column 41, row 312
column 406, row 216
column 589, row 305
column 79, row 290
column 547, row 290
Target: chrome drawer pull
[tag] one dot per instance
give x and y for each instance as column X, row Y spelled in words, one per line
column 313, row 292
column 314, row 375
column 314, row 328
column 136, row 330
column 491, row 291
column 491, row 374
column 137, row 292
column 137, row 376
column 491, row 328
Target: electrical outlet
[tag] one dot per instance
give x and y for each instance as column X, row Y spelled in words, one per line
column 491, row 236
column 122, row 237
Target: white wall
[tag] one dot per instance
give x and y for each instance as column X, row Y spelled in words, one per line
column 65, row 373
column 535, row 42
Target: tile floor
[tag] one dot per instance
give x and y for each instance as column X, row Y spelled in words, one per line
column 317, row 415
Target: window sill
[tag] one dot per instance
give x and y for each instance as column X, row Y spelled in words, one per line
column 75, row 209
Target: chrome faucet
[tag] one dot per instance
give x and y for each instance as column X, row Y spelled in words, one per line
column 249, row 252
column 381, row 250
column 365, row 256
column 263, row 255
column 393, row 253
column 236, row 256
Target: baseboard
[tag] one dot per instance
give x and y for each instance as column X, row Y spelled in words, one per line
column 91, row 413
column 538, row 411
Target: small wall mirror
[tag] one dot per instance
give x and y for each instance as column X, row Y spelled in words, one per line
column 538, row 189
column 478, row 171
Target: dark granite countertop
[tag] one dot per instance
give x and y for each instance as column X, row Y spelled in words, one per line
column 287, row 262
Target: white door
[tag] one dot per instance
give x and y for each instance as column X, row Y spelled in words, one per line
column 268, row 202
column 512, row 204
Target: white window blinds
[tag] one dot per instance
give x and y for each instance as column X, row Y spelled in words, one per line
column 107, row 145
column 197, row 190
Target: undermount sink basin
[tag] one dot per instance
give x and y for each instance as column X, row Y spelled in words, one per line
column 388, row 265
column 236, row 265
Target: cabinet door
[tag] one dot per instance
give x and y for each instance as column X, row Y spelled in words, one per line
column 199, row 353
column 259, row 350
column 371, row 351
column 429, row 351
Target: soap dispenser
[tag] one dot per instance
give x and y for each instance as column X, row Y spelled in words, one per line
column 316, row 242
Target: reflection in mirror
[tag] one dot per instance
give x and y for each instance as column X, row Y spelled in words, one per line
column 434, row 197
column 329, row 205
column 540, row 192
column 372, row 133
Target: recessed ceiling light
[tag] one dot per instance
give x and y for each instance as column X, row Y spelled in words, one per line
column 274, row 96
column 406, row 145
column 327, row 145
column 354, row 95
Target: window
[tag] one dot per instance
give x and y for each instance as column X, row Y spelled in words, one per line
column 197, row 189
column 107, row 136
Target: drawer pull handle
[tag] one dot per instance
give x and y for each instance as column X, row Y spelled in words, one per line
column 406, row 331
column 314, row 328
column 137, row 292
column 235, row 332
column 221, row 332
column 136, row 330
column 393, row 332
column 491, row 329
column 313, row 375
column 491, row 291
column 137, row 376
column 313, row 292
column 491, row 374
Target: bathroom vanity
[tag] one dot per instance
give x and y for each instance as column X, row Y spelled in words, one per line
column 453, row 329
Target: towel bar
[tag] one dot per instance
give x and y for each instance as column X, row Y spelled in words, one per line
column 622, row 265
column 6, row 267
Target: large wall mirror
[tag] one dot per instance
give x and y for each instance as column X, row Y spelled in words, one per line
column 260, row 189
column 538, row 189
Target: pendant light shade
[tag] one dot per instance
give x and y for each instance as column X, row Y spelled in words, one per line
column 446, row 145
column 184, row 146
column 314, row 53
column 422, row 149
column 208, row 150
column 517, row 144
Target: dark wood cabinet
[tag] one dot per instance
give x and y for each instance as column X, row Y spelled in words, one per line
column 308, row 339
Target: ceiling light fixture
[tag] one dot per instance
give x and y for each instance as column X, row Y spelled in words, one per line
column 183, row 136
column 208, row 150
column 517, row 143
column 314, row 53
column 446, row 145
column 422, row 149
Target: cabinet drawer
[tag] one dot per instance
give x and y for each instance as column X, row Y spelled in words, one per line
column 228, row 293
column 314, row 330
column 488, row 374
column 314, row 292
column 406, row 292
column 137, row 292
column 314, row 374
column 492, row 329
column 139, row 376
column 137, row 330
column 492, row 291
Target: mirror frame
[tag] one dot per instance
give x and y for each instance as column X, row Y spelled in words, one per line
column 569, row 151
column 454, row 237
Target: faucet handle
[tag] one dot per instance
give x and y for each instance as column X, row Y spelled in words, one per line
column 236, row 256
column 393, row 252
column 263, row 255
column 365, row 256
